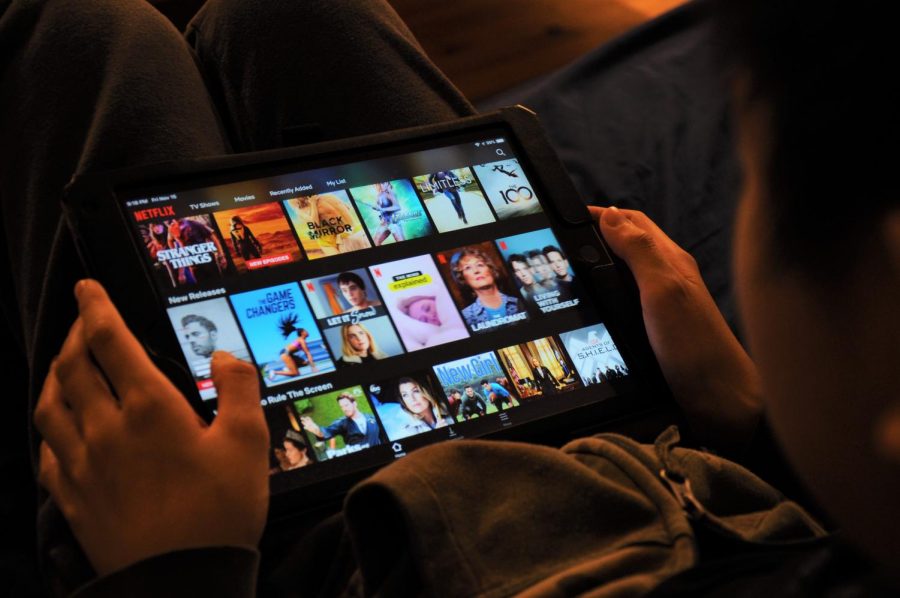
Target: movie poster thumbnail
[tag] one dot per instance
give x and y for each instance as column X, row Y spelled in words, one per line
column 257, row 237
column 290, row 448
column 343, row 297
column 541, row 269
column 391, row 211
column 363, row 341
column 338, row 423
column 419, row 303
column 184, row 251
column 476, row 386
column 409, row 405
column 538, row 368
column 509, row 191
column 481, row 287
column 595, row 355
column 352, row 317
column 326, row 224
column 282, row 334
column 203, row 328
column 453, row 199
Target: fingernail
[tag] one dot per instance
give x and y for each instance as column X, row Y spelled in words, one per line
column 613, row 216
column 79, row 288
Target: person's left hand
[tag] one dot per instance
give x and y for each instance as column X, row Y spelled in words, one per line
column 133, row 468
column 711, row 376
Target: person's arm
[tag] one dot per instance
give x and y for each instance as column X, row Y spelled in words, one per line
column 711, row 376
column 330, row 432
column 311, row 426
column 122, row 449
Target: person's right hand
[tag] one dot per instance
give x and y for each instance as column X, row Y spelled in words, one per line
column 131, row 466
column 711, row 376
column 308, row 424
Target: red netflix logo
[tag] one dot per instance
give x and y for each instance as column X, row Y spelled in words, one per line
column 160, row 212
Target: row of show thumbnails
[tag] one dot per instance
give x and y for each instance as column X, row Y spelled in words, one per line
column 203, row 248
column 341, row 422
column 299, row 330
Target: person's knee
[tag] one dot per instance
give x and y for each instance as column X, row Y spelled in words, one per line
column 87, row 22
column 60, row 39
column 307, row 18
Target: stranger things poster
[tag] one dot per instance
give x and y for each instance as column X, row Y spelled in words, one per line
column 184, row 252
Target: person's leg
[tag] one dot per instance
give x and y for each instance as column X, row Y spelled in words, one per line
column 84, row 85
column 456, row 200
column 284, row 72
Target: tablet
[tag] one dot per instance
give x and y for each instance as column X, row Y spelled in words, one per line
column 392, row 291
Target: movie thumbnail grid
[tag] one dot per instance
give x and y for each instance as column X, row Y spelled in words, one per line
column 203, row 248
column 349, row 420
column 300, row 330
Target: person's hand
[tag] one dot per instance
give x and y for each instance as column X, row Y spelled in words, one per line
column 308, row 424
column 710, row 374
column 132, row 467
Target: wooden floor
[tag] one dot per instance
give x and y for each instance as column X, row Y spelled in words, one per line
column 488, row 46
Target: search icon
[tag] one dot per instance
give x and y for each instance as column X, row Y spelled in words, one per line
column 501, row 153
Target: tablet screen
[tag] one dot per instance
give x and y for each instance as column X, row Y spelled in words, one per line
column 412, row 296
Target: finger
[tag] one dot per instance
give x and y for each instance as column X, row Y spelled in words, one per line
column 642, row 221
column 237, row 386
column 55, row 421
column 53, row 478
column 667, row 246
column 81, row 383
column 639, row 248
column 117, row 351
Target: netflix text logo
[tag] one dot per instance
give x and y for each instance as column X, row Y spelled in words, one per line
column 160, row 212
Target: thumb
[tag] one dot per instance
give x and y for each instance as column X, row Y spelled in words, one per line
column 637, row 246
column 237, row 385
